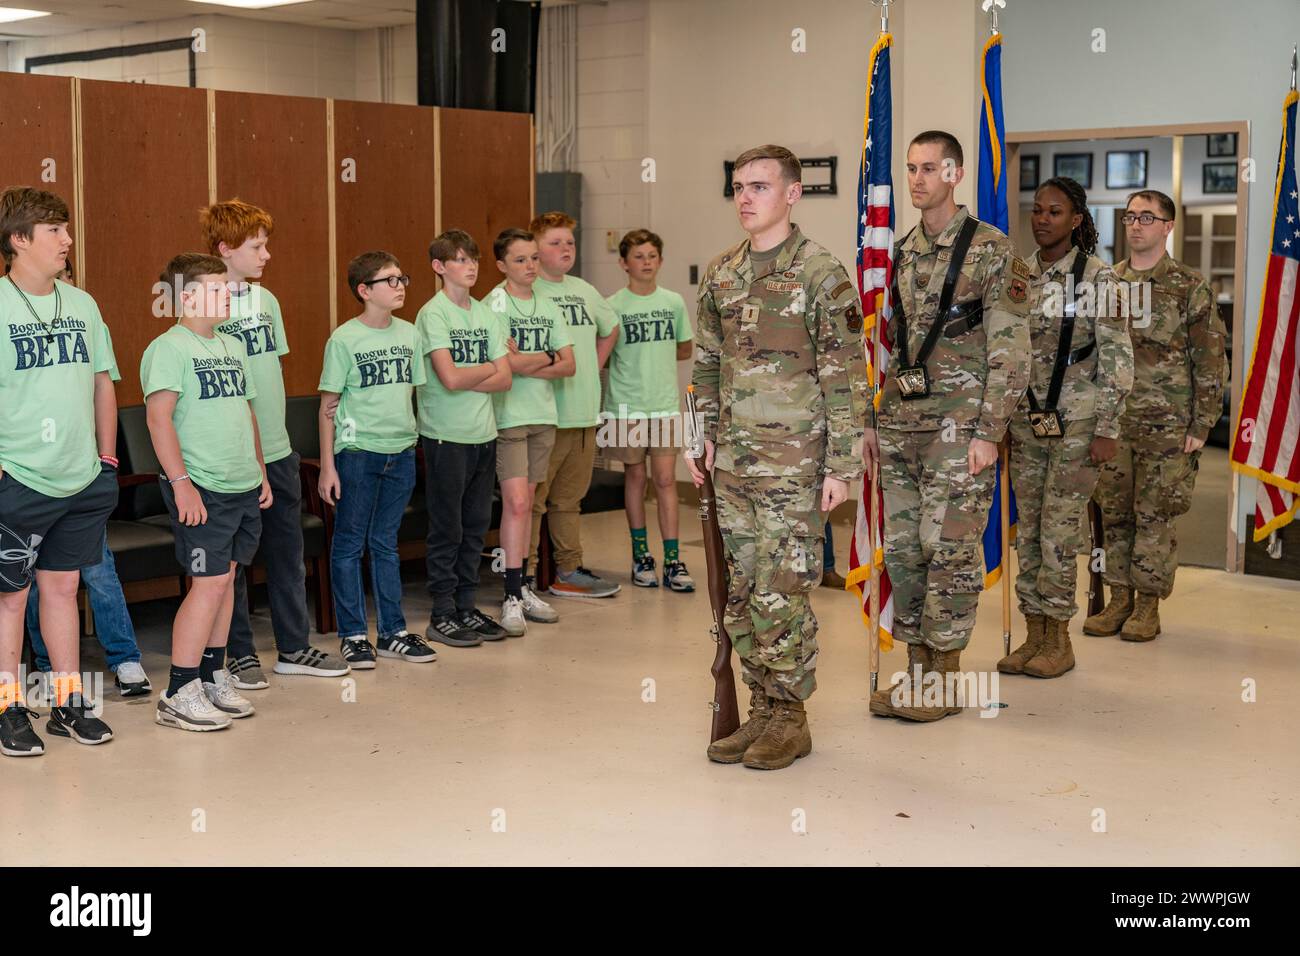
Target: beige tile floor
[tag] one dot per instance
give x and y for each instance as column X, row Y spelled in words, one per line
column 541, row 750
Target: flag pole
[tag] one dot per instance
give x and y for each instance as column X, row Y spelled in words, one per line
column 1004, row 489
column 871, row 486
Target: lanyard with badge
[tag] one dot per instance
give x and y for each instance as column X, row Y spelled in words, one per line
column 1046, row 420
column 914, row 379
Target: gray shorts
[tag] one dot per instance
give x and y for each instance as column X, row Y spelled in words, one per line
column 231, row 533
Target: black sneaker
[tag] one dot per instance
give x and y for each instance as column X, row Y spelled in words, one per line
column 17, row 738
column 75, row 720
column 449, row 629
column 481, row 624
column 407, row 647
column 358, row 652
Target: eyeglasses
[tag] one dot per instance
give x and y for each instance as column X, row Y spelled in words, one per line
column 1146, row 218
column 393, row 281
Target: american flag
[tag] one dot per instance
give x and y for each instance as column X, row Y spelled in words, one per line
column 1264, row 444
column 875, row 274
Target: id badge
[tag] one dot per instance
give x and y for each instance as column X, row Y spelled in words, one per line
column 913, row 382
column 1046, row 424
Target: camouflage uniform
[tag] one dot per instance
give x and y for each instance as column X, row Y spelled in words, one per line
column 781, row 388
column 1054, row 477
column 935, row 510
column 1178, row 377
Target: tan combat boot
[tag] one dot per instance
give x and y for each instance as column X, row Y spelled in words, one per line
column 731, row 749
column 1144, row 625
column 1112, row 617
column 1014, row 663
column 1056, row 656
column 882, row 704
column 929, row 700
column 786, row 738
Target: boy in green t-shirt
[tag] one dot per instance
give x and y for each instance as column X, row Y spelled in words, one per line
column 367, row 458
column 198, row 403
column 58, row 473
column 541, row 354
column 642, row 402
column 468, row 364
column 237, row 232
column 593, row 328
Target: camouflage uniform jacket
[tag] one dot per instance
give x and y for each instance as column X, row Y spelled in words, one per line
column 780, row 375
column 1179, row 362
column 1094, row 387
column 977, row 378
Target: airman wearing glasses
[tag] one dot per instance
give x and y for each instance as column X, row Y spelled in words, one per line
column 1177, row 397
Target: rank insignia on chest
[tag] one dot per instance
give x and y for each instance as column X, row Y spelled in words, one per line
column 782, row 286
column 749, row 314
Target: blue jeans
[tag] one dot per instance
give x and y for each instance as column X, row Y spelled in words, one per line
column 112, row 622
column 374, row 492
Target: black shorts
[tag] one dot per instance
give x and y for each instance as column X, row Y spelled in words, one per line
column 38, row 532
column 231, row 533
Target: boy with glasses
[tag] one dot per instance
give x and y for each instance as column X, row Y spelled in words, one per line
column 367, row 458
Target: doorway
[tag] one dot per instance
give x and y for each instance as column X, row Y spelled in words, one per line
column 1197, row 166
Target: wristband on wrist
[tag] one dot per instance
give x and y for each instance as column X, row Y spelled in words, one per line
column 172, row 481
column 108, row 460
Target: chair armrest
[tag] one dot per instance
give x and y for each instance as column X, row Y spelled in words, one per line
column 132, row 481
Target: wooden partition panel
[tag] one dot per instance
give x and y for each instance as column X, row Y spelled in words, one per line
column 272, row 151
column 486, row 180
column 388, row 199
column 145, row 177
column 36, row 127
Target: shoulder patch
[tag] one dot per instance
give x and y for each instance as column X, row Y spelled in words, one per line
column 1017, row 290
column 840, row 289
column 853, row 318
column 1020, row 268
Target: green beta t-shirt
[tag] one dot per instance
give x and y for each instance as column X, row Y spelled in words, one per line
column 473, row 336
column 643, row 365
column 536, row 325
column 255, row 319
column 373, row 371
column 577, row 399
column 47, row 388
column 214, row 389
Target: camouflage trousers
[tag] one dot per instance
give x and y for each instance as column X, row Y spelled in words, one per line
column 772, row 535
column 1053, row 479
column 1142, row 490
column 935, row 514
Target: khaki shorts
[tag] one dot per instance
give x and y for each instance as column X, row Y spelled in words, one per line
column 634, row 438
column 524, row 451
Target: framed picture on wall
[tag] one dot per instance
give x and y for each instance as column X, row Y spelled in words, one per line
column 1076, row 166
column 1219, row 178
column 1126, row 169
column 1028, row 173
column 1221, row 144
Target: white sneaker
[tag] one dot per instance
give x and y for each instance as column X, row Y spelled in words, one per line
column 535, row 609
column 131, row 679
column 190, row 709
column 512, row 616
column 225, row 698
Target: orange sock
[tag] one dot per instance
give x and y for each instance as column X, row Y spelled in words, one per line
column 11, row 693
column 65, row 685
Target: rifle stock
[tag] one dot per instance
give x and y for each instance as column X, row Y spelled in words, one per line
column 726, row 714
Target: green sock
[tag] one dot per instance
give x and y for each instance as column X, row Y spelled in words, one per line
column 670, row 550
column 640, row 547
